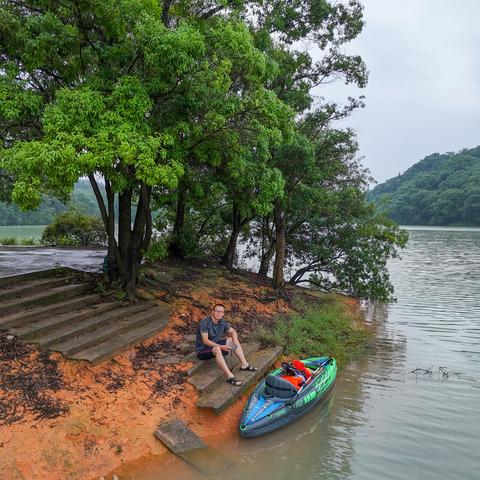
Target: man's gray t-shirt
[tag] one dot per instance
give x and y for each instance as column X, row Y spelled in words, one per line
column 215, row 332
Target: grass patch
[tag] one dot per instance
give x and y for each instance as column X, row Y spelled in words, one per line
column 8, row 241
column 18, row 241
column 324, row 329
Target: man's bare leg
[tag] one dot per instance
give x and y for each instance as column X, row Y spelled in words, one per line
column 238, row 350
column 220, row 359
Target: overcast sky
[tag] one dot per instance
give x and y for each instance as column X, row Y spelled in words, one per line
column 423, row 94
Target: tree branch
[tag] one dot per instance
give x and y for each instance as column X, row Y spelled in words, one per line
column 101, row 203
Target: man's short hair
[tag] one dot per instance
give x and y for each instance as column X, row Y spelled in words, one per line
column 218, row 305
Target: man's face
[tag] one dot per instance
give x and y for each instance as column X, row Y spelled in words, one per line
column 218, row 312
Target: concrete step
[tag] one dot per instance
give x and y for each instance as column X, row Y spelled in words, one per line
column 60, row 327
column 205, row 378
column 23, row 277
column 33, row 329
column 42, row 298
column 86, row 337
column 33, row 286
column 39, row 313
column 118, row 343
column 225, row 394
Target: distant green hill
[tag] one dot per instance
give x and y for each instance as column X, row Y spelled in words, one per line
column 438, row 190
column 83, row 198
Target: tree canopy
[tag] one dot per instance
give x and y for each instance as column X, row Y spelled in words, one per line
column 198, row 116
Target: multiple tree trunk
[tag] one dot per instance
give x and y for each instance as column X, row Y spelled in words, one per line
column 126, row 249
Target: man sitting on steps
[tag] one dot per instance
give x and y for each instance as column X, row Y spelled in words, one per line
column 211, row 344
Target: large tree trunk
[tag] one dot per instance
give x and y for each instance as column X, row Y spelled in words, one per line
column 237, row 224
column 268, row 247
column 125, row 255
column 108, row 218
column 112, row 260
column 177, row 245
column 278, row 281
column 139, row 241
column 267, row 259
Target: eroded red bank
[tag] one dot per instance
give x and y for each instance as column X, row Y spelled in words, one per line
column 111, row 410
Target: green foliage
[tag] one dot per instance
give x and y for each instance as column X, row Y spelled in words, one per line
column 165, row 101
column 8, row 241
column 157, row 250
column 29, row 241
column 73, row 228
column 438, row 190
column 326, row 329
column 120, row 295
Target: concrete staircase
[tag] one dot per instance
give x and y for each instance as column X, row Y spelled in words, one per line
column 60, row 312
column 215, row 392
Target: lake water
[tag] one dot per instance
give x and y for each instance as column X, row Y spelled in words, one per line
column 21, row 231
column 384, row 420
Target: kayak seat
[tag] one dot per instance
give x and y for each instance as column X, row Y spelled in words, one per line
column 279, row 387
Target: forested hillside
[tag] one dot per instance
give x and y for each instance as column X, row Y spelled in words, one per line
column 439, row 190
column 81, row 198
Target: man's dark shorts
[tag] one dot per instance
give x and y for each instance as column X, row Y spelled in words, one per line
column 206, row 352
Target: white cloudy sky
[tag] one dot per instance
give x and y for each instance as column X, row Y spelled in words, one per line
column 423, row 94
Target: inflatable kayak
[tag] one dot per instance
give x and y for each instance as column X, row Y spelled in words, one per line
column 286, row 394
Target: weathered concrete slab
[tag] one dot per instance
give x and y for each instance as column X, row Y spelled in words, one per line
column 22, row 277
column 77, row 330
column 207, row 376
column 223, row 396
column 177, row 437
column 17, row 259
column 50, row 309
column 120, row 342
column 36, row 313
column 30, row 330
column 184, row 443
column 37, row 285
column 45, row 297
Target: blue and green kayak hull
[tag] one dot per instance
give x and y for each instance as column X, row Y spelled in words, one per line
column 264, row 413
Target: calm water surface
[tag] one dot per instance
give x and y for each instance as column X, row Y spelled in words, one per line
column 384, row 421
column 22, row 231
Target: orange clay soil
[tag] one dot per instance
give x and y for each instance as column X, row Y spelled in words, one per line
column 61, row 419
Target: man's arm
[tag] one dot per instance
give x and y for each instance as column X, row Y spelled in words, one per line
column 210, row 343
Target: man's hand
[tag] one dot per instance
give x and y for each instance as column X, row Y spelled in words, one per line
column 225, row 348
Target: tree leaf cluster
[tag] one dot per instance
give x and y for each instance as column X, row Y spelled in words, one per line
column 194, row 121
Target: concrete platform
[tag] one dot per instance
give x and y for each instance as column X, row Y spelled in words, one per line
column 184, row 443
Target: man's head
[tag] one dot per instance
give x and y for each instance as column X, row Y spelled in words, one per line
column 218, row 311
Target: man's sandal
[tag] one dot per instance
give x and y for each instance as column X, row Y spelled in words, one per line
column 249, row 368
column 234, row 381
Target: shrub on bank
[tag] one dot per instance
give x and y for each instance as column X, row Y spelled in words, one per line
column 28, row 241
column 72, row 228
column 8, row 241
column 157, row 250
column 325, row 329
